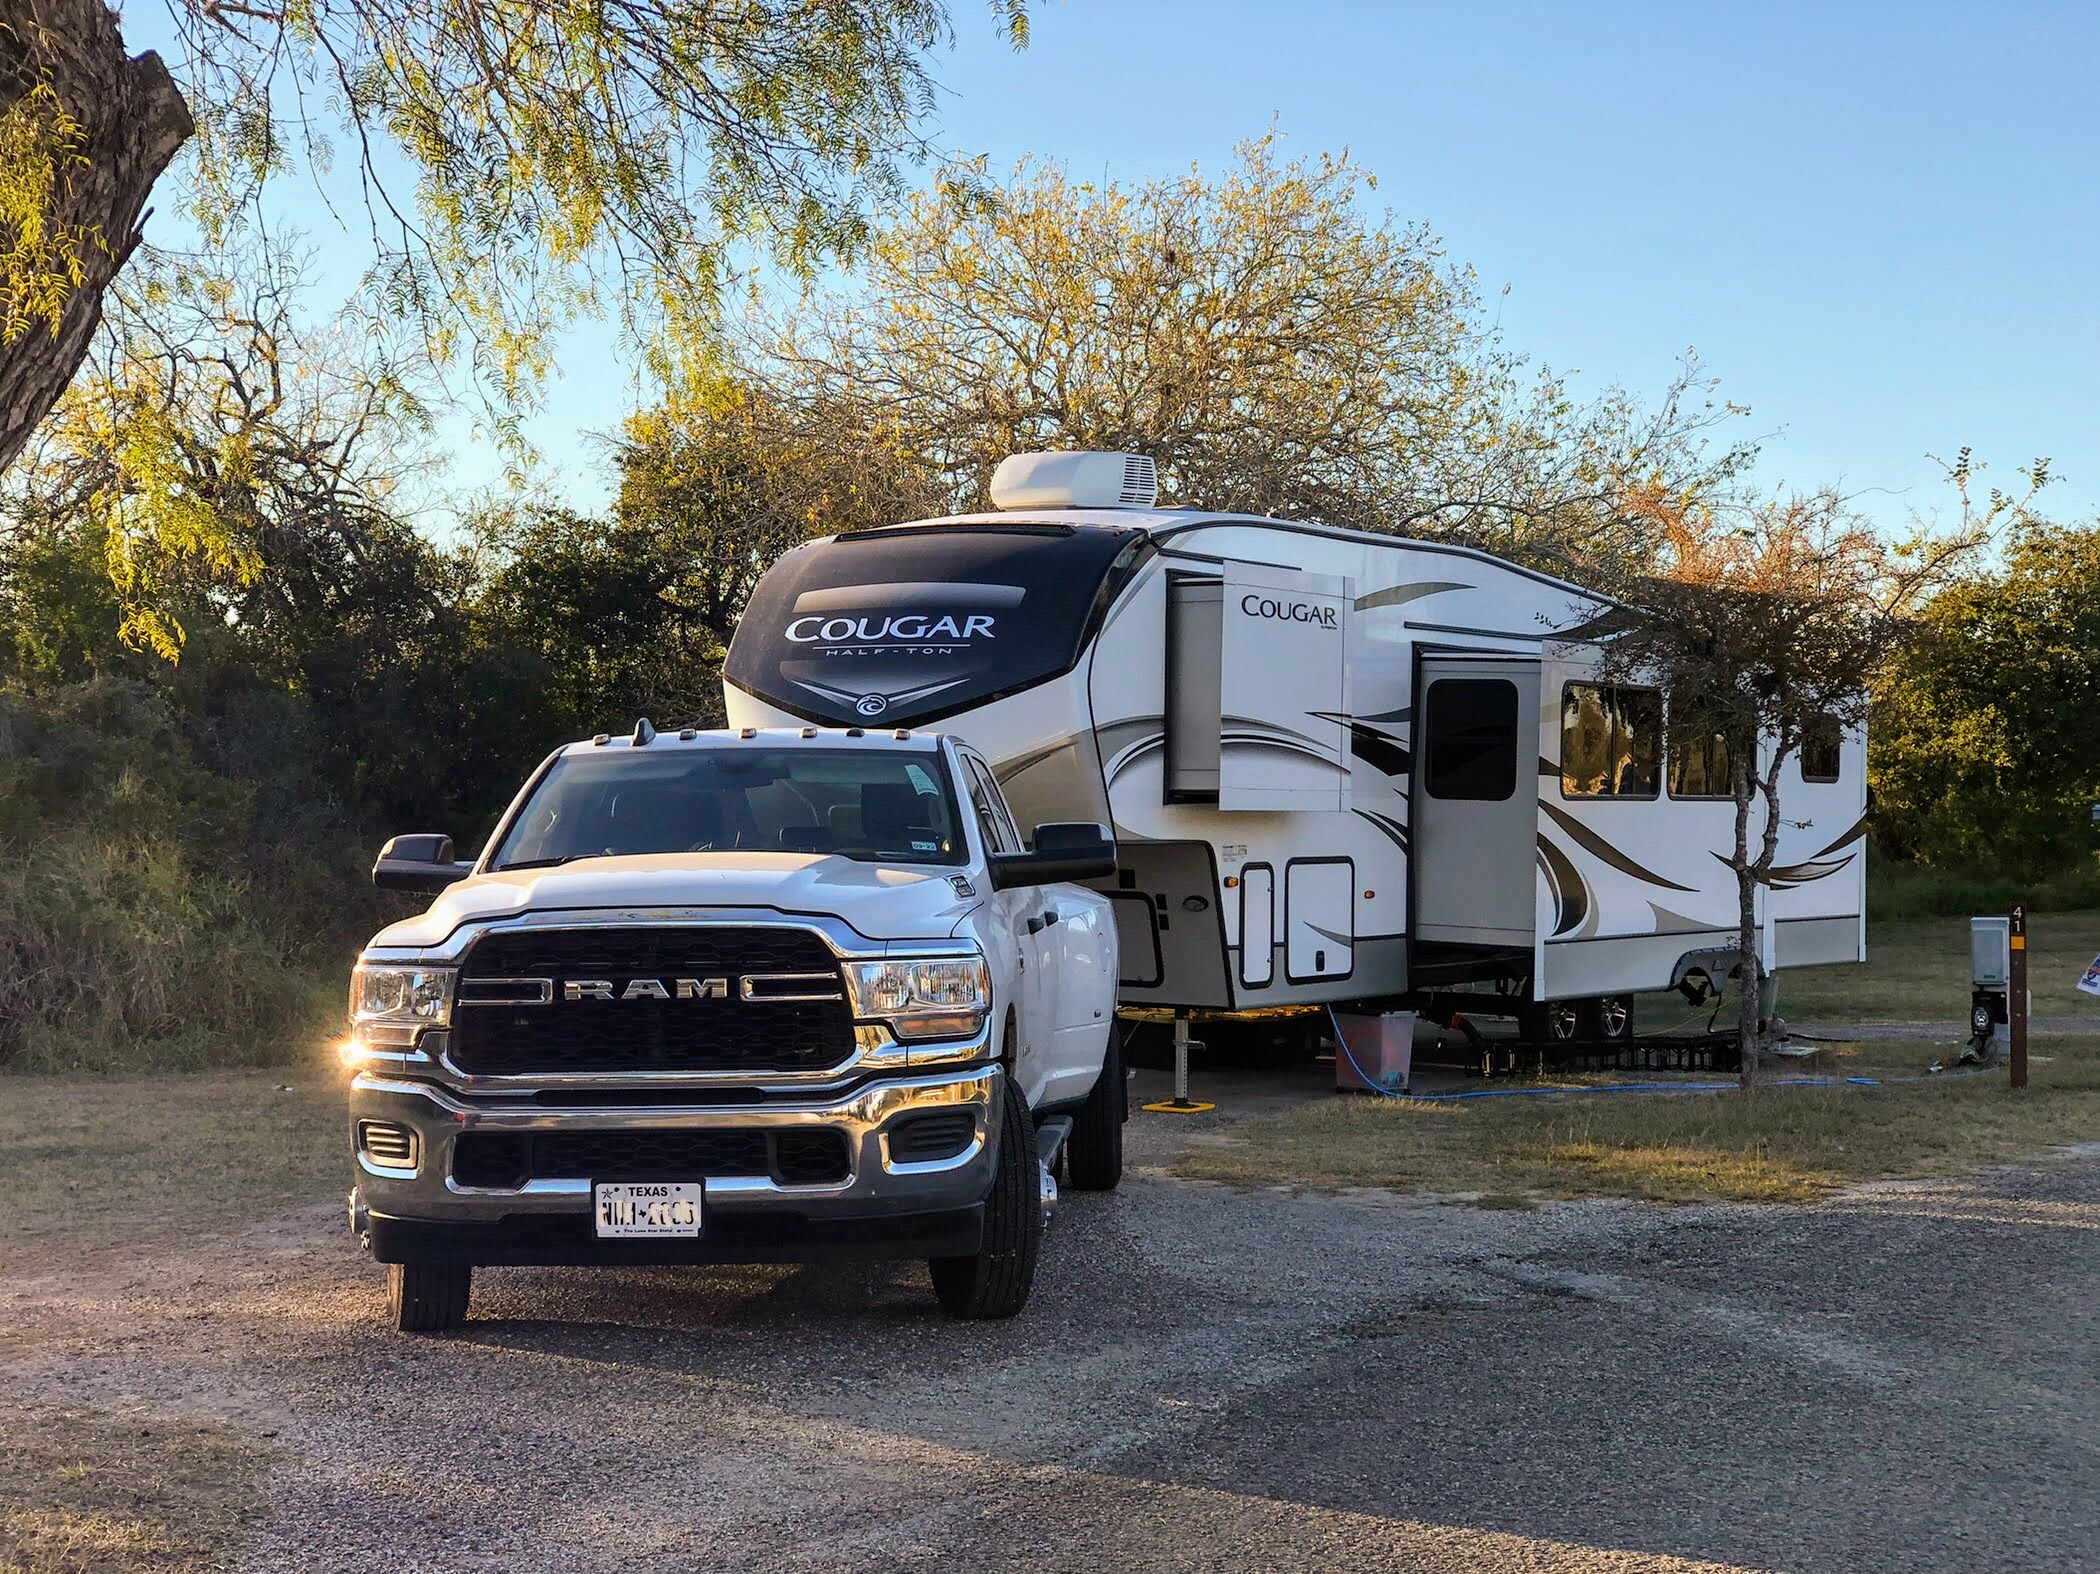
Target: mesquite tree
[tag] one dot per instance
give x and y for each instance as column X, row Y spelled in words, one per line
column 85, row 130
column 1768, row 621
column 514, row 165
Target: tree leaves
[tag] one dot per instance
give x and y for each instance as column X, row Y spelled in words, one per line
column 1274, row 346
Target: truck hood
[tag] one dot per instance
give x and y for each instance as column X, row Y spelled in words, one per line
column 881, row 902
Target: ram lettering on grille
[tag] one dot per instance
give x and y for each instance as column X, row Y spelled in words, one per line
column 702, row 998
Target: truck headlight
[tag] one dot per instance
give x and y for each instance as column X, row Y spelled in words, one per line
column 389, row 1004
column 923, row 997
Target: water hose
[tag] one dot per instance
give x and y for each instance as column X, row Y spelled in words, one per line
column 1341, row 1043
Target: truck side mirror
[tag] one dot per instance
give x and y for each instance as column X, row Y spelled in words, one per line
column 418, row 863
column 1064, row 850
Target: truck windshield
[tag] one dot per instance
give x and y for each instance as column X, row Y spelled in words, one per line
column 869, row 804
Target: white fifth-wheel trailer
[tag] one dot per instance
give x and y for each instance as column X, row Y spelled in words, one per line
column 1341, row 767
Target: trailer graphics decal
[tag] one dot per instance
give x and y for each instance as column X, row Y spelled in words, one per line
column 1564, row 883
column 1377, row 747
column 1597, row 847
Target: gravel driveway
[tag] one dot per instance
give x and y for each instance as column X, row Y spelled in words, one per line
column 1900, row 1378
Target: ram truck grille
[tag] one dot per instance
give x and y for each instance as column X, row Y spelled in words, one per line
column 506, row 1160
column 655, row 998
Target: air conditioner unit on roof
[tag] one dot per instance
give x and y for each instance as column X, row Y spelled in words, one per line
column 1075, row 480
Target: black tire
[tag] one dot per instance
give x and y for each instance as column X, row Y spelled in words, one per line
column 1608, row 1018
column 995, row 1282
column 1094, row 1151
column 428, row 1298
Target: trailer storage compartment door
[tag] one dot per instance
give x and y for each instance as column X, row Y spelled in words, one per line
column 1284, row 689
column 1319, row 916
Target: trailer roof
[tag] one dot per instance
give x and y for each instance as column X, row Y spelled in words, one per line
column 1162, row 523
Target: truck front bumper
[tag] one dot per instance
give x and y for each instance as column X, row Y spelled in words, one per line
column 412, row 1207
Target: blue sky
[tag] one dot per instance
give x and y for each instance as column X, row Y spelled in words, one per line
column 1876, row 223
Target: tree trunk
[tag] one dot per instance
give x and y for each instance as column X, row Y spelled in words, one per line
column 132, row 118
column 1746, row 931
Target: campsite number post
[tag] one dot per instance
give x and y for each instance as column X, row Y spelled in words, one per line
column 2016, row 995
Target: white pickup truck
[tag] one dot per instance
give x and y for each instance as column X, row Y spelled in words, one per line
column 737, row 996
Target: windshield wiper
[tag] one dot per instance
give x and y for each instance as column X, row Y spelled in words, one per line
column 543, row 863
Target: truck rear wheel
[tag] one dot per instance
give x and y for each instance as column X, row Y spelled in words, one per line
column 995, row 1282
column 428, row 1298
column 1094, row 1151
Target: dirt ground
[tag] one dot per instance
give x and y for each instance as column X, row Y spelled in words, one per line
column 1895, row 1377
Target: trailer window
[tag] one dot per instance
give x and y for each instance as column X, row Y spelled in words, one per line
column 1610, row 741
column 1821, row 743
column 1700, row 765
column 1472, row 729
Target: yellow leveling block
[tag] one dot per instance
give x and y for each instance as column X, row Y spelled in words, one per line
column 1170, row 1107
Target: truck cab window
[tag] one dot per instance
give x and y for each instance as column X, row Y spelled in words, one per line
column 993, row 822
column 1610, row 741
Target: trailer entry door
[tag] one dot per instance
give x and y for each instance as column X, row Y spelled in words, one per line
column 1475, row 807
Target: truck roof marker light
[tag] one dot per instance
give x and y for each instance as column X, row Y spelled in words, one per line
column 688, row 734
column 856, row 732
column 644, row 733
column 747, row 732
column 601, row 740
column 903, row 733
column 809, row 732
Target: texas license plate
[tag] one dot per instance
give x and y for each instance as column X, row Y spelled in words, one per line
column 630, row 1210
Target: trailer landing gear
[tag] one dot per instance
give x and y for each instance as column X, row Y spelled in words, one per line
column 1180, row 1103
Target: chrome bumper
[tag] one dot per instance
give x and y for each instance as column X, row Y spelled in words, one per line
column 423, row 1189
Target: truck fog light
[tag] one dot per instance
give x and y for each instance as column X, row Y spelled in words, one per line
column 386, row 1144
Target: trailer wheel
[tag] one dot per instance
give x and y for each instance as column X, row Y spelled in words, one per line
column 1094, row 1151
column 995, row 1282
column 428, row 1298
column 1550, row 1022
column 1608, row 1017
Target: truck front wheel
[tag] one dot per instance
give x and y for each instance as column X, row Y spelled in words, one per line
column 428, row 1298
column 995, row 1282
column 1094, row 1151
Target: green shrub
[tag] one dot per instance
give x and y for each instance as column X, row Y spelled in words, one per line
column 1897, row 890
column 151, row 915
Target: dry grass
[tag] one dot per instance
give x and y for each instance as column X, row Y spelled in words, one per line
column 90, row 1491
column 1781, row 1145
column 90, row 1164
